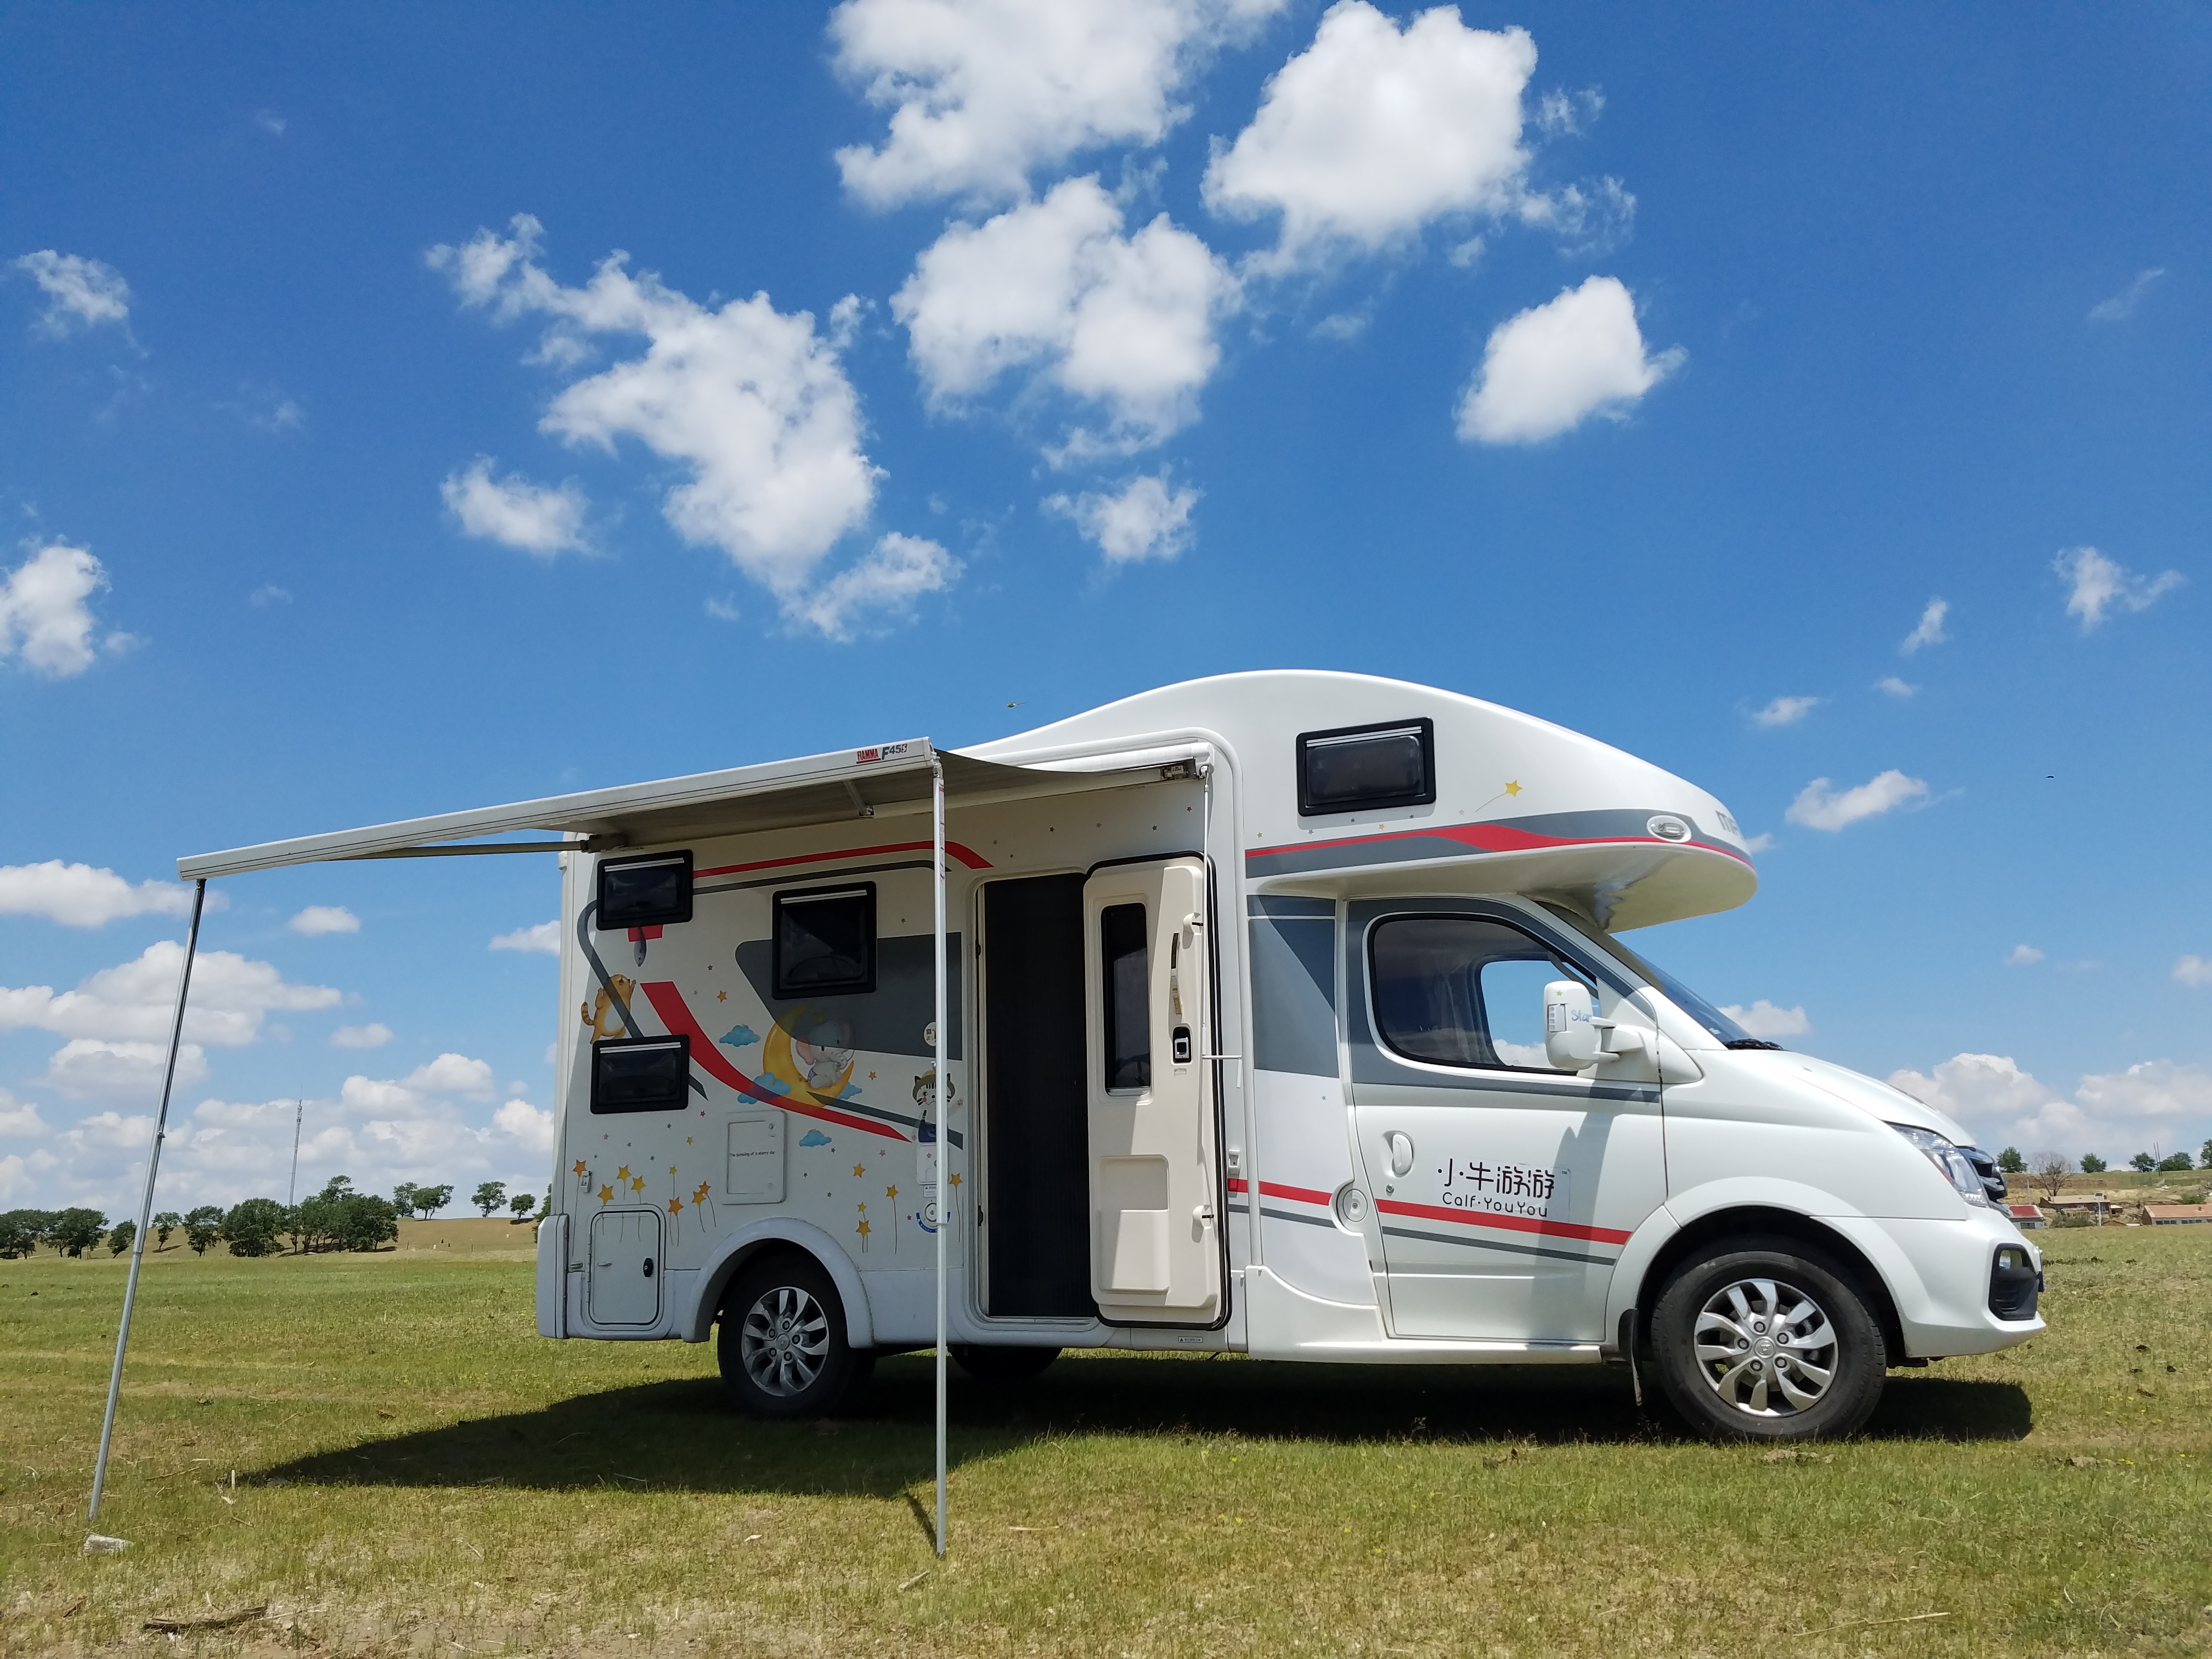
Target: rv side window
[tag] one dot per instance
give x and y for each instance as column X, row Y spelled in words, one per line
column 825, row 941
column 1128, row 1014
column 1359, row 769
column 653, row 891
column 641, row 1074
column 1462, row 990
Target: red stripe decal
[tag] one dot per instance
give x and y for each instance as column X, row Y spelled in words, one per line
column 1519, row 1223
column 967, row 855
column 676, row 1014
column 1237, row 1184
column 1304, row 1194
column 1487, row 838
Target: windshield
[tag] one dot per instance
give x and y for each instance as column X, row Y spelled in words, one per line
column 1730, row 1035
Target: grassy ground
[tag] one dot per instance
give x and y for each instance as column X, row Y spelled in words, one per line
column 416, row 1472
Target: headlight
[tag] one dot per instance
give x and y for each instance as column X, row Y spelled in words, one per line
column 1948, row 1159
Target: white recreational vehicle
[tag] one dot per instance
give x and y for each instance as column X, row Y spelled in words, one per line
column 1284, row 1013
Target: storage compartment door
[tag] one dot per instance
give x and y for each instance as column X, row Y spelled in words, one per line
column 1155, row 1243
column 623, row 1286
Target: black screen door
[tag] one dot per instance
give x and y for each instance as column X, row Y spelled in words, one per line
column 1036, row 1205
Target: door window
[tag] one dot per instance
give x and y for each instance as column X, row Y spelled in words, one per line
column 1462, row 990
column 1129, row 1022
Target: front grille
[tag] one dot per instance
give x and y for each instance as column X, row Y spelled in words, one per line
column 2014, row 1282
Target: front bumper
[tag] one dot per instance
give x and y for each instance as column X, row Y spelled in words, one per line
column 1943, row 1278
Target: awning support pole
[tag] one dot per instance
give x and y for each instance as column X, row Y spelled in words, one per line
column 146, row 1203
column 945, row 1207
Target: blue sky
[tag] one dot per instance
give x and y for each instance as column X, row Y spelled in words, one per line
column 1686, row 378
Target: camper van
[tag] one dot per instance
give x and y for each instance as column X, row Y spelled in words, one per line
column 1300, row 1015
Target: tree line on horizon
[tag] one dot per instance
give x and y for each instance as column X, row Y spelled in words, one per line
column 336, row 1218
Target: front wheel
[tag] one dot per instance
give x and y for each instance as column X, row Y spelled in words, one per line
column 783, row 1343
column 1765, row 1339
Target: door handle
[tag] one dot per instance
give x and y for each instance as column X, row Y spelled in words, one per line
column 648, row 1266
column 1400, row 1147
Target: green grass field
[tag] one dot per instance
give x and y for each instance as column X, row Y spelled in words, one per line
column 416, row 1471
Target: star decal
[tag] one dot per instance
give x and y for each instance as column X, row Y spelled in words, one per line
column 699, row 1197
column 606, row 1195
column 859, row 1171
column 674, row 1204
column 1513, row 788
column 623, row 1174
column 579, row 1169
column 891, row 1192
column 721, row 996
column 637, row 1183
column 956, row 1177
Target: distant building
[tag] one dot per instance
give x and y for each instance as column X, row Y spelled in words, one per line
column 2174, row 1215
column 2025, row 1216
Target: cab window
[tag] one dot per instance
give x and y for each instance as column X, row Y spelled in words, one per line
column 1462, row 990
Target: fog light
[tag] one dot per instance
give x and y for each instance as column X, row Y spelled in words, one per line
column 2013, row 1283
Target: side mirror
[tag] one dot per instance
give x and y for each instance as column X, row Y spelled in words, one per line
column 1570, row 1042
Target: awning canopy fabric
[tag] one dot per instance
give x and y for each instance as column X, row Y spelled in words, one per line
column 889, row 780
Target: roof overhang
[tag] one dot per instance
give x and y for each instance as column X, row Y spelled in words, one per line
column 887, row 781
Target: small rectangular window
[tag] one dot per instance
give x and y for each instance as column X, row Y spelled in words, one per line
column 1357, row 769
column 651, row 891
column 1123, row 960
column 825, row 941
column 641, row 1074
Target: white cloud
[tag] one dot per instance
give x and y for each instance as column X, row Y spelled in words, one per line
column 2149, row 1089
column 539, row 519
column 268, row 594
column 984, row 92
column 721, row 608
column 1145, row 519
column 1929, row 630
column 1764, row 1019
column 372, row 1036
column 2111, row 1112
column 1819, row 806
column 531, row 1126
column 318, row 919
column 20, row 1119
column 2121, row 306
column 1983, row 1089
column 1895, row 687
column 88, row 1069
column 1125, row 322
column 1554, row 365
column 750, row 401
column 1784, row 711
column 44, row 617
column 541, row 936
column 79, row 896
column 2023, row 956
column 878, row 590
column 452, row 1074
column 2098, row 584
column 2193, row 970
column 1758, row 843
column 79, row 292
column 1569, row 114
column 136, row 1001
column 1370, row 133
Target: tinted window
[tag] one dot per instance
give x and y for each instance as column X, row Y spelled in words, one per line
column 1128, row 1014
column 1730, row 1034
column 1462, row 990
column 650, row 891
column 825, row 941
column 640, row 1074
column 1364, row 767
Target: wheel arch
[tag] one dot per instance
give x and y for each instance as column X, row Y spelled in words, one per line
column 765, row 1237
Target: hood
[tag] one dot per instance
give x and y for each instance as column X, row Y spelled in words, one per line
column 1881, row 1100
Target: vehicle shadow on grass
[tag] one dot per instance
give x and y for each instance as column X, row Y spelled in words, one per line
column 685, row 1436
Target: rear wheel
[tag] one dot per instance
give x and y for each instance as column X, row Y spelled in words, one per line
column 783, row 1343
column 1765, row 1339
column 997, row 1364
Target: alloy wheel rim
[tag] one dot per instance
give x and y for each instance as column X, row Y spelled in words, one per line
column 783, row 1342
column 1765, row 1348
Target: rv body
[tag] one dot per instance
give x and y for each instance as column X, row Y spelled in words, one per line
column 1248, row 982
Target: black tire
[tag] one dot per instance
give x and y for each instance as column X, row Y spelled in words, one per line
column 997, row 1364
column 1755, row 1376
column 782, row 1342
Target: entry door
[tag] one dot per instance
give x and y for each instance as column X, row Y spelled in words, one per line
column 1503, row 1190
column 1155, row 1247
column 624, row 1285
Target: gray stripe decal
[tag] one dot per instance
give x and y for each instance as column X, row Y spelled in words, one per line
column 1403, row 1078
column 1286, row 1215
column 1492, row 1244
column 1293, row 909
column 1403, row 847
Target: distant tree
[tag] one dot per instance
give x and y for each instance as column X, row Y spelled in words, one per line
column 489, row 1196
column 252, row 1227
column 2046, row 1173
column 120, row 1240
column 366, row 1221
column 337, row 1186
column 203, row 1226
column 74, row 1231
column 165, row 1223
column 2011, row 1162
column 402, row 1198
column 2205, row 1158
column 428, row 1200
column 2092, row 1164
column 2143, row 1161
column 20, row 1231
column 522, row 1204
column 2175, row 1161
